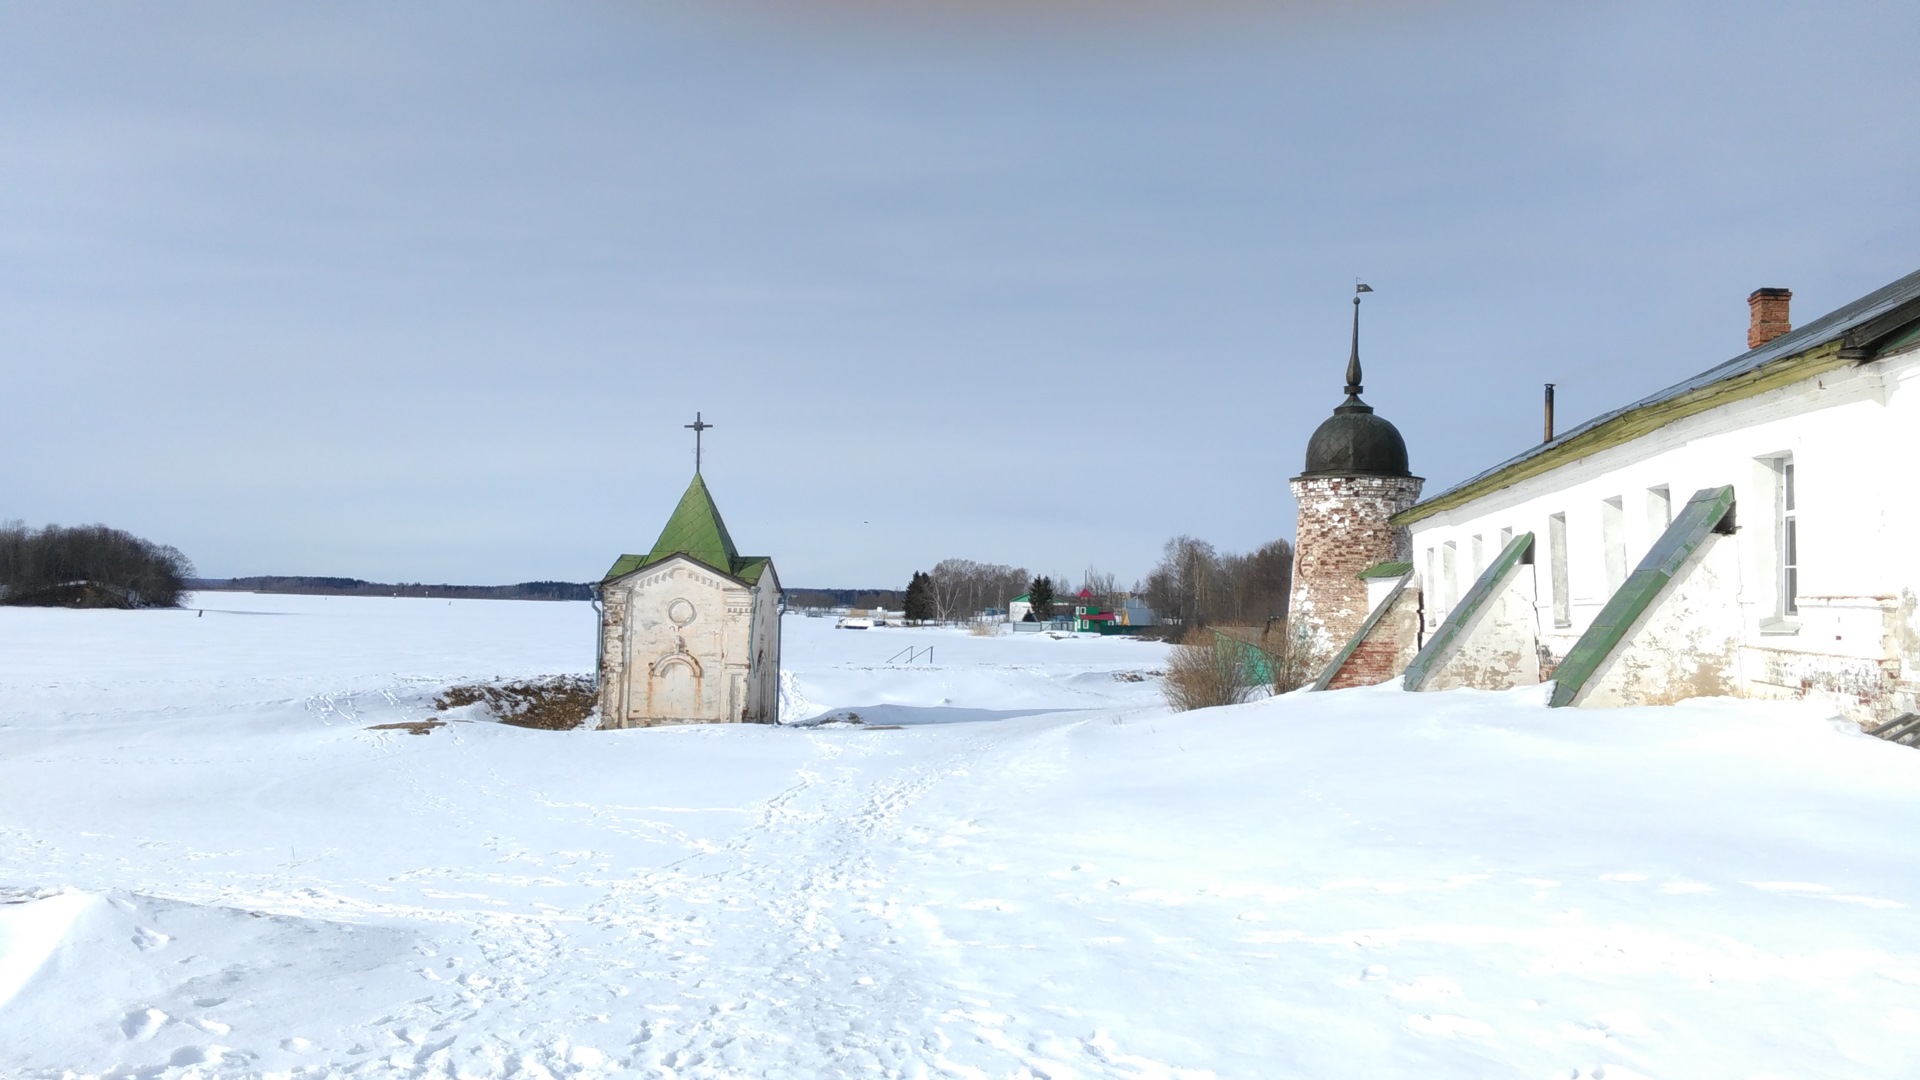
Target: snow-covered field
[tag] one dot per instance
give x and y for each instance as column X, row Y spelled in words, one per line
column 216, row 869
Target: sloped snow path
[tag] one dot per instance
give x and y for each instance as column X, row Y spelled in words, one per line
column 767, row 954
column 794, row 947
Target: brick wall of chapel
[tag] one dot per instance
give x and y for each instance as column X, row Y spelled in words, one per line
column 1345, row 527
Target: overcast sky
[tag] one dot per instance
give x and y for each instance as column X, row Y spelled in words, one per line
column 425, row 292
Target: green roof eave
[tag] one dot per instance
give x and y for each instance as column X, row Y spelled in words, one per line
column 748, row 568
column 624, row 565
column 1386, row 570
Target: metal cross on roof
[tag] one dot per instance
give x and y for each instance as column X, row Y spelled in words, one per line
column 698, row 426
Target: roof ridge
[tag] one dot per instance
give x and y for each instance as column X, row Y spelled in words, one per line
column 1829, row 327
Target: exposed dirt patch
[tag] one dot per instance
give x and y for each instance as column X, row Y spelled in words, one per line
column 411, row 727
column 74, row 594
column 554, row 703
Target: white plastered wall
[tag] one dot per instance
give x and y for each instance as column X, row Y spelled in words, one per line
column 1851, row 433
column 1498, row 649
column 676, row 647
column 1686, row 644
column 764, row 679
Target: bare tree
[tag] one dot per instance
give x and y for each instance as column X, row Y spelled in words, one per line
column 1196, row 585
column 1182, row 588
column 950, row 579
column 1265, row 582
column 82, row 564
column 1101, row 586
column 963, row 588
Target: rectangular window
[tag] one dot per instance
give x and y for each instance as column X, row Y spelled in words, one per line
column 1432, row 586
column 1449, row 566
column 1479, row 557
column 1557, row 551
column 1613, row 537
column 1788, row 532
column 1506, row 537
column 1659, row 510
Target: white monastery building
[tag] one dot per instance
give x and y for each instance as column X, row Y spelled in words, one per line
column 1749, row 531
column 690, row 631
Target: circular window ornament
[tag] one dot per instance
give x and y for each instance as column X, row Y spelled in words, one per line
column 681, row 612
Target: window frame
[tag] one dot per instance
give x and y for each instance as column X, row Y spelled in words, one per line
column 1561, row 583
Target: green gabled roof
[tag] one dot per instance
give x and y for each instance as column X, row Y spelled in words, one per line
column 696, row 531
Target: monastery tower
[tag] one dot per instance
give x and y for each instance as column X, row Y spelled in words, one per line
column 1355, row 481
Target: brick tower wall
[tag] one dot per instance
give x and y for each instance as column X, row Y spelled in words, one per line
column 1345, row 527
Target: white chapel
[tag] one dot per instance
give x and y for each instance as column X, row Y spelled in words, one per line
column 690, row 631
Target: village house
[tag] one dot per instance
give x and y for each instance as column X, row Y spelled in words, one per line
column 1082, row 613
column 690, row 631
column 1746, row 531
column 1123, row 616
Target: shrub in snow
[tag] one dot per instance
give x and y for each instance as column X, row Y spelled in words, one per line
column 1298, row 658
column 1200, row 676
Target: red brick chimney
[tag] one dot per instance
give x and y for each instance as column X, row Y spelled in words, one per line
column 1769, row 308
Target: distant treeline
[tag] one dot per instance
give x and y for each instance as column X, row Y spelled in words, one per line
column 340, row 586
column 87, row 566
column 890, row 599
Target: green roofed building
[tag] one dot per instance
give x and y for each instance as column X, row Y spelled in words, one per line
column 690, row 631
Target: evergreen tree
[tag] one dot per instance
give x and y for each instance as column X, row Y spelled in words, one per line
column 1040, row 595
column 919, row 601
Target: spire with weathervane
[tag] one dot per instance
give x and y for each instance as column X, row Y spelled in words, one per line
column 1354, row 389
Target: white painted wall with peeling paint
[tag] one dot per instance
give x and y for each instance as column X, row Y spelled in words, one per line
column 1853, row 435
column 679, row 644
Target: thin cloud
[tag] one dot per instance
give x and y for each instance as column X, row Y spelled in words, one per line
column 995, row 17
